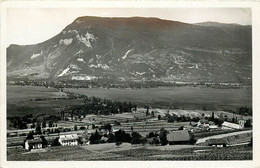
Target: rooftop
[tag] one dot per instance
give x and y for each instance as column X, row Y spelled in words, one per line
column 35, row 141
column 69, row 137
column 218, row 141
column 181, row 135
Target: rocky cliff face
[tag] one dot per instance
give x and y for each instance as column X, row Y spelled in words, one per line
column 138, row 48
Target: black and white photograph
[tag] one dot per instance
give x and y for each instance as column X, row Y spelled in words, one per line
column 128, row 84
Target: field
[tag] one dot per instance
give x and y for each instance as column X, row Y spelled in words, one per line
column 22, row 100
column 129, row 152
column 181, row 97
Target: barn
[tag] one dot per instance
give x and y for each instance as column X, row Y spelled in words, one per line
column 179, row 137
column 217, row 142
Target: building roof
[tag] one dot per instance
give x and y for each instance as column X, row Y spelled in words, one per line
column 69, row 137
column 35, row 141
column 231, row 125
column 219, row 141
column 181, row 135
column 204, row 121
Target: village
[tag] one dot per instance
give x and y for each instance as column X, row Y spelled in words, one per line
column 141, row 126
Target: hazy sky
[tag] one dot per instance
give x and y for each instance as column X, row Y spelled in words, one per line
column 35, row 25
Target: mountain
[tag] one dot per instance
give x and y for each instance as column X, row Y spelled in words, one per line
column 137, row 48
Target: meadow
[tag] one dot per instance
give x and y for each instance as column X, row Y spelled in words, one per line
column 22, row 100
column 127, row 151
column 180, row 97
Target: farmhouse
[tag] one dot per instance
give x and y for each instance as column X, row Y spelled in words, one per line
column 33, row 144
column 228, row 125
column 203, row 123
column 217, row 142
column 179, row 137
column 213, row 127
column 71, row 139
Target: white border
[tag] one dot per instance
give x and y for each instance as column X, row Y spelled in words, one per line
column 255, row 6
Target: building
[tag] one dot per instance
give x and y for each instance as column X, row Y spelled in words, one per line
column 228, row 125
column 242, row 123
column 203, row 123
column 179, row 137
column 33, row 144
column 213, row 127
column 217, row 142
column 71, row 139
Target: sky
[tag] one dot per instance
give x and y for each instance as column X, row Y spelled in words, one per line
column 34, row 25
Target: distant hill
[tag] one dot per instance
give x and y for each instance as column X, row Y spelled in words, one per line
column 138, row 48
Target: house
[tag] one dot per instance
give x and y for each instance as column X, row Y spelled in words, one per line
column 203, row 123
column 242, row 123
column 179, row 137
column 33, row 144
column 229, row 125
column 217, row 142
column 71, row 139
column 213, row 127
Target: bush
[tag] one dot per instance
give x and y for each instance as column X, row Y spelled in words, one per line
column 143, row 141
column 136, row 138
column 82, row 128
column 118, row 144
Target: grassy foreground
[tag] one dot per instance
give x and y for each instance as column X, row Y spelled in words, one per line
column 131, row 152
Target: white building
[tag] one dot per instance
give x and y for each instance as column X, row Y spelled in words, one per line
column 33, row 144
column 71, row 139
column 228, row 125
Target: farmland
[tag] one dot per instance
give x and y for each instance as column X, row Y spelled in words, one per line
column 180, row 97
column 22, row 100
column 127, row 151
column 180, row 102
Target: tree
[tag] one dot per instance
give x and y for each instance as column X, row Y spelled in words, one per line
column 33, row 125
column 143, row 141
column 136, row 138
column 50, row 123
column 44, row 141
column 118, row 144
column 147, row 111
column 43, row 124
column 155, row 141
column 170, row 118
column 163, row 136
column 181, row 128
column 56, row 142
column 212, row 115
column 38, row 128
column 121, row 136
column 95, row 138
column 116, row 123
column 251, row 142
column 152, row 113
column 30, row 135
column 151, row 134
column 248, row 123
column 75, row 127
column 218, row 122
column 108, row 127
column 111, row 137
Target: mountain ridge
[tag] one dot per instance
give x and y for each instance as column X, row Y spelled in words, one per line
column 137, row 48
